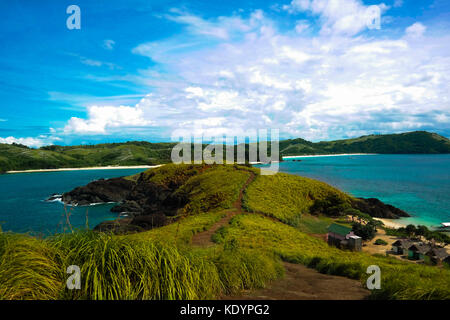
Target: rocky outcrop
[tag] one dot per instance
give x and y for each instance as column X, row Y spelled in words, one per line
column 147, row 204
column 378, row 209
column 135, row 224
column 100, row 191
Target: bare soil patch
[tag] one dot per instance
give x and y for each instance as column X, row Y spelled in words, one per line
column 303, row 283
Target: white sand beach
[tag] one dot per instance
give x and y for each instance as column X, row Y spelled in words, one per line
column 86, row 168
column 391, row 223
column 330, row 155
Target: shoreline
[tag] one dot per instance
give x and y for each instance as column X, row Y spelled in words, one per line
column 85, row 168
column 330, row 155
column 391, row 223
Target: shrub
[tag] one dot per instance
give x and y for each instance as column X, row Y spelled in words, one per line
column 366, row 232
column 380, row 242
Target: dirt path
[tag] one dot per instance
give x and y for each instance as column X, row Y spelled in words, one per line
column 204, row 238
column 303, row 283
column 299, row 282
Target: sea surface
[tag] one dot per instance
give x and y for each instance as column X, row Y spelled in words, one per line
column 23, row 207
column 417, row 184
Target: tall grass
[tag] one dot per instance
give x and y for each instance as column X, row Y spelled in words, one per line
column 400, row 279
column 28, row 268
column 241, row 269
column 215, row 188
column 181, row 231
column 121, row 268
column 287, row 197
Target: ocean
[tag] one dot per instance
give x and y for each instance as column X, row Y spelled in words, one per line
column 417, row 184
column 23, row 207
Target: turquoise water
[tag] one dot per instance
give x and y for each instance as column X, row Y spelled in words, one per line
column 417, row 184
column 22, row 195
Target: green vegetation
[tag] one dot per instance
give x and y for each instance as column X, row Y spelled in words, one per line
column 162, row 263
column 287, row 197
column 20, row 157
column 401, row 280
column 204, row 187
column 380, row 242
column 171, row 175
column 217, row 188
column 365, row 231
column 181, row 231
column 314, row 224
column 122, row 268
column 411, row 231
column 403, row 143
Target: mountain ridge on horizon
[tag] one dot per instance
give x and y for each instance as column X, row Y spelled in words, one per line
column 20, row 157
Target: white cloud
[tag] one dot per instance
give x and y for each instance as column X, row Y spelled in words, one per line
column 442, row 118
column 93, row 62
column 347, row 17
column 416, row 30
column 101, row 118
column 316, row 87
column 97, row 63
column 301, row 26
column 108, row 44
column 30, row 142
column 398, row 3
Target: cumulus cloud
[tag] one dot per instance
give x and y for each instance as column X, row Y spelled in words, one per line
column 222, row 27
column 101, row 118
column 317, row 87
column 29, row 141
column 416, row 30
column 337, row 16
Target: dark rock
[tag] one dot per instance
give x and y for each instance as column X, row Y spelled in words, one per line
column 118, row 226
column 378, row 209
column 111, row 190
column 136, row 224
column 147, row 204
column 151, row 221
column 54, row 197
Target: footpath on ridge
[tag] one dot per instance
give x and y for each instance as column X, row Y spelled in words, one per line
column 204, row 238
column 299, row 282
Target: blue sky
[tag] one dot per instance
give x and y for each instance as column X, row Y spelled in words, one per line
column 147, row 70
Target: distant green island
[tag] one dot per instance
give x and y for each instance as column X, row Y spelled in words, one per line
column 417, row 142
column 20, row 157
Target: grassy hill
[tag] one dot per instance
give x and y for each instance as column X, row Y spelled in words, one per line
column 404, row 143
column 247, row 252
column 19, row 157
column 287, row 197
